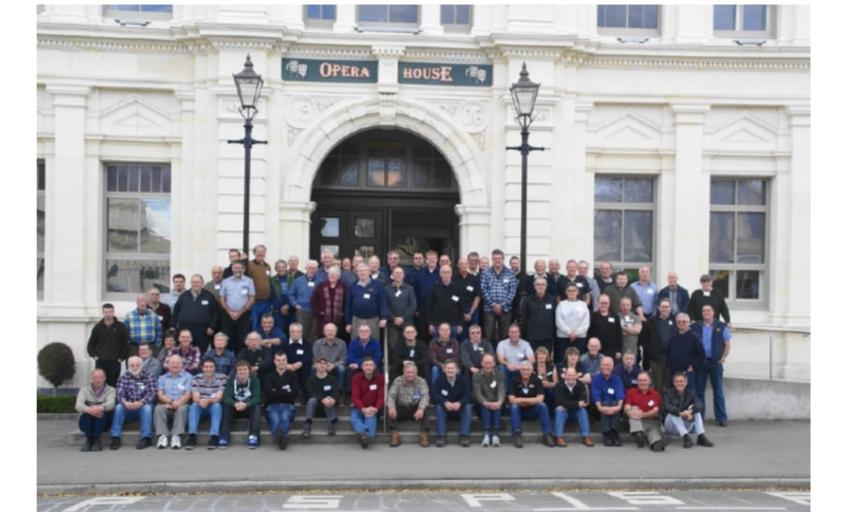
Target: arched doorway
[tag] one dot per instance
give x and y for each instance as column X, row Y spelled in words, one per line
column 384, row 189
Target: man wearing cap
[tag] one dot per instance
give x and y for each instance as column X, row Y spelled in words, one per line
column 707, row 295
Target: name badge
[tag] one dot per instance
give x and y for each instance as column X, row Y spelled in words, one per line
column 633, row 381
column 373, row 387
column 650, row 292
column 244, row 291
column 366, row 295
column 310, row 284
column 204, row 303
column 454, row 298
column 706, row 294
column 444, row 392
column 469, row 288
column 141, row 387
column 480, row 349
column 375, row 276
column 287, row 387
column 525, row 390
column 506, row 281
column 412, row 353
column 494, row 384
column 580, row 285
column 548, row 306
column 610, row 391
column 267, row 272
column 611, row 320
column 532, row 386
column 522, row 357
column 300, row 351
column 217, row 286
column 397, row 293
column 650, row 403
column 328, row 387
column 449, row 351
column 670, row 322
column 181, row 387
column 159, row 317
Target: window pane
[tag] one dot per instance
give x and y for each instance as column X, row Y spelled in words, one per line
column 122, row 225
column 422, row 175
column 156, row 185
column 607, row 190
column 750, row 246
column 122, row 178
column 156, row 8
column 747, row 284
column 332, row 248
column 155, row 226
column 123, row 7
column 641, row 16
column 364, row 228
column 313, row 12
column 376, row 174
column 328, row 12
column 40, row 223
column 442, row 175
column 111, row 178
column 724, row 17
column 463, row 14
column 721, row 237
column 651, row 17
column 612, row 15
column 751, row 192
column 395, row 173
column 132, row 179
column 373, row 13
column 448, row 15
column 721, row 192
column 330, row 227
column 721, row 282
column 403, row 13
column 754, row 17
column 607, row 235
column 166, row 179
column 638, row 236
column 136, row 275
column 145, row 179
column 638, row 191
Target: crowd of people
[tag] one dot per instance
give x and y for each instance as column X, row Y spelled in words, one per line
column 474, row 337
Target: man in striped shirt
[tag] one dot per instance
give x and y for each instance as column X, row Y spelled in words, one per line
column 206, row 394
column 143, row 325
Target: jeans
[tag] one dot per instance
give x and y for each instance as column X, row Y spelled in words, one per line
column 538, row 411
column 259, row 308
column 715, row 371
column 196, row 413
column 683, row 427
column 363, row 424
column 91, row 426
column 144, row 413
column 507, row 377
column 491, row 420
column 435, row 371
column 443, row 414
column 279, row 416
column 563, row 416
column 493, row 333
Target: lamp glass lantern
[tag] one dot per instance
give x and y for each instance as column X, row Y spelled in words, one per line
column 524, row 93
column 249, row 86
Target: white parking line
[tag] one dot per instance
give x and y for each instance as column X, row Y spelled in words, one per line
column 731, row 508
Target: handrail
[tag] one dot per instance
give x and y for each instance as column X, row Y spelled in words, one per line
column 385, row 342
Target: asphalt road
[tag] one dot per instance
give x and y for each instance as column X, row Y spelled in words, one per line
column 453, row 501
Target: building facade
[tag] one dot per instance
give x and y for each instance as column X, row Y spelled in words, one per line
column 675, row 136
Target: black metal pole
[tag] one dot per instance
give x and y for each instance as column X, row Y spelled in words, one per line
column 248, row 144
column 525, row 150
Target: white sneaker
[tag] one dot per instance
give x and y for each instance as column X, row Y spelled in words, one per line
column 175, row 442
column 496, row 441
column 162, row 442
column 486, row 441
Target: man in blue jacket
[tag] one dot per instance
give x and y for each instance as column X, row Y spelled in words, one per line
column 452, row 396
column 677, row 295
column 608, row 397
column 685, row 352
column 365, row 303
column 715, row 339
column 364, row 345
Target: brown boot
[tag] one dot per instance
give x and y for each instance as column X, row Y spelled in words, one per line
column 561, row 442
column 395, row 439
column 588, row 441
column 425, row 439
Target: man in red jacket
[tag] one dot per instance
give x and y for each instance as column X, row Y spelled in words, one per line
column 367, row 395
column 642, row 407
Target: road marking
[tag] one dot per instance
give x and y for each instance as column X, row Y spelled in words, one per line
column 104, row 501
column 801, row 498
column 576, row 505
column 731, row 508
column 645, row 498
column 312, row 502
column 474, row 500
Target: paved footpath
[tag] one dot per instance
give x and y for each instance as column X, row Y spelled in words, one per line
column 456, row 502
column 746, row 455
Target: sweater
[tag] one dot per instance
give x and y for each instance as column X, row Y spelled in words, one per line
column 699, row 299
column 684, row 350
column 87, row 396
column 608, row 330
column 366, row 392
column 538, row 317
column 110, row 343
column 572, row 317
column 472, row 357
column 195, row 312
column 319, row 388
column 249, row 393
column 280, row 388
column 443, row 391
column 356, row 351
column 569, row 398
column 488, row 387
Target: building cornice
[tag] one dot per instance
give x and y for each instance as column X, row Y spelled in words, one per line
column 698, row 63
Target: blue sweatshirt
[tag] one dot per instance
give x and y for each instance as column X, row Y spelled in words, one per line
column 367, row 301
column 607, row 391
column 356, row 352
column 684, row 350
column 301, row 291
column 423, row 281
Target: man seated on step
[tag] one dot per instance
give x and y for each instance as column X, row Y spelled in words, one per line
column 189, row 353
column 527, row 402
column 512, row 352
column 367, row 396
column 173, row 397
column 254, row 353
column 95, row 403
column 225, row 360
column 280, row 389
column 409, row 348
column 489, row 393
column 242, row 398
column 134, row 398
column 408, row 398
column 571, row 404
column 683, row 412
column 206, row 395
column 642, row 407
column 452, row 396
column 334, row 350
column 608, row 396
column 322, row 388
column 443, row 347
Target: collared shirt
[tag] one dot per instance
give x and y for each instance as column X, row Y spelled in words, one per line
column 514, row 354
column 672, row 298
column 207, row 388
column 174, row 386
column 607, row 390
column 213, row 288
column 152, row 366
column 225, row 362
column 498, row 288
column 131, row 388
column 644, row 401
column 236, row 292
column 530, row 389
column 144, row 328
column 442, row 350
column 300, row 292
column 707, row 339
column 408, row 394
column 647, row 294
column 336, row 353
column 191, row 359
column 592, row 365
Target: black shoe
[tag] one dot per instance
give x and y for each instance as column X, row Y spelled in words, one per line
column 143, row 443
column 307, row 429
column 115, row 444
column 331, row 428
column 660, row 445
column 607, row 439
column 363, row 441
column 687, row 441
column 722, row 423
column 96, row 445
column 516, row 438
column 86, row 446
column 549, row 440
column 639, row 437
column 616, row 439
column 702, row 441
column 283, row 442
column 191, row 442
column 465, row 442
column 212, row 444
column 440, row 442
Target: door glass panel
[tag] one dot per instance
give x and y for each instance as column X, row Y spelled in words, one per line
column 332, row 248
column 364, row 228
column 366, row 251
column 330, row 227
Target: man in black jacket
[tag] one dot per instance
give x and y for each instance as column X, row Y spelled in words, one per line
column 707, row 295
column 410, row 348
column 109, row 344
column 196, row 310
column 280, row 388
column 605, row 326
column 571, row 403
column 538, row 316
column 445, row 303
column 660, row 329
column 324, row 389
column 684, row 412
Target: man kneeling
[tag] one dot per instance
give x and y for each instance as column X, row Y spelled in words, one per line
column 642, row 407
column 324, row 389
column 527, row 402
column 408, row 400
column 684, row 412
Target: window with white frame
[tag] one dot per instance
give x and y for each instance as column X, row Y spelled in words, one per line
column 637, row 20
column 139, row 11
column 746, row 21
column 319, row 15
column 456, row 18
column 138, row 227
column 624, row 222
column 40, row 225
column 402, row 17
column 738, row 225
